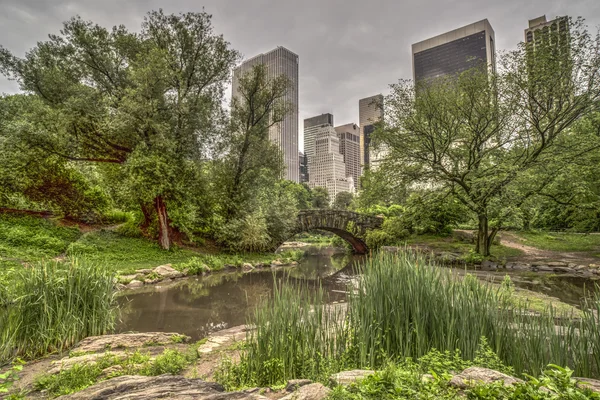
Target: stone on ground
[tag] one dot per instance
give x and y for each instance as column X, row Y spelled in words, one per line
column 294, row 384
column 348, row 377
column 166, row 271
column 222, row 339
column 134, row 284
column 476, row 375
column 132, row 387
column 127, row 341
column 314, row 391
column 592, row 384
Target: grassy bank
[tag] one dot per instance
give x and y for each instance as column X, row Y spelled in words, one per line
column 50, row 306
column 402, row 308
column 571, row 242
column 453, row 245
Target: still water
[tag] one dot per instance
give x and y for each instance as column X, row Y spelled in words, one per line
column 197, row 306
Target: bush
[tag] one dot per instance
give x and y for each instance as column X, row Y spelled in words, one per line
column 378, row 238
column 246, row 234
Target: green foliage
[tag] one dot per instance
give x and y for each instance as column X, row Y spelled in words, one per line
column 471, row 257
column 432, row 213
column 343, row 200
column 54, row 305
column 378, row 238
column 246, row 234
column 11, row 375
column 32, row 238
column 320, row 198
column 81, row 376
column 560, row 241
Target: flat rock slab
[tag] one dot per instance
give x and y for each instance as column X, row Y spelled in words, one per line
column 86, row 359
column 223, row 338
column 348, row 377
column 476, row 375
column 314, row 391
column 127, row 341
column 133, row 387
column 166, row 271
column 592, row 384
column 294, row 384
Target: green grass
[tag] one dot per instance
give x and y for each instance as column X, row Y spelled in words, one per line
column 449, row 244
column 403, row 381
column 50, row 306
column 81, row 376
column 560, row 241
column 28, row 238
column 404, row 308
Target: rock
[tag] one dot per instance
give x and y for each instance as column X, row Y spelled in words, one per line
column 542, row 268
column 565, row 270
column 556, row 264
column 166, row 271
column 111, row 371
column 223, row 338
column 348, row 377
column 314, row 391
column 260, row 265
column 152, row 281
column 476, row 375
column 247, row 267
column 427, row 378
column 294, row 263
column 276, row 263
column 129, row 278
column 593, row 266
column 294, row 384
column 581, row 267
column 127, row 341
column 144, row 271
column 120, row 286
column 489, row 264
column 134, row 284
column 586, row 383
column 86, row 359
column 129, row 387
column 467, row 237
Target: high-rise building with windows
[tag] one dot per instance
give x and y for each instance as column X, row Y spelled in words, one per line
column 280, row 61
column 540, row 26
column 349, row 136
column 370, row 111
column 326, row 167
column 303, row 167
column 455, row 51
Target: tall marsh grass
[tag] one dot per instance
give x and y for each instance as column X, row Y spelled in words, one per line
column 403, row 307
column 52, row 305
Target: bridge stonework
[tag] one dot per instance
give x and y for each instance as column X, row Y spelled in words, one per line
column 349, row 225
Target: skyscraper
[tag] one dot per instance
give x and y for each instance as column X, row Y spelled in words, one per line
column 349, row 136
column 326, row 167
column 311, row 127
column 370, row 111
column 540, row 25
column 455, row 51
column 279, row 62
column 303, row 168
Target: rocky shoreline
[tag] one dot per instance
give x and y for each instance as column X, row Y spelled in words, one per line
column 166, row 273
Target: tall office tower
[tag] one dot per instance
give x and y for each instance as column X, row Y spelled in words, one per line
column 370, row 111
column 540, row 26
column 455, row 51
column 311, row 127
column 279, row 62
column 349, row 136
column 303, row 167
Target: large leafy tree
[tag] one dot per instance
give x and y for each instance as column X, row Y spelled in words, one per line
column 148, row 102
column 478, row 135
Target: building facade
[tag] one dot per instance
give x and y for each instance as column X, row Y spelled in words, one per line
column 540, row 25
column 370, row 111
column 303, row 167
column 312, row 126
column 349, row 136
column 454, row 52
column 280, row 61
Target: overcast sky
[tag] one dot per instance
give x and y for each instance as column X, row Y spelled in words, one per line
column 349, row 49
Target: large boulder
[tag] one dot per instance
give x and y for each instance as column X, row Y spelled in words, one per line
column 133, row 387
column 348, row 377
column 294, row 384
column 134, row 284
column 475, row 375
column 166, row 271
column 314, row 391
column 128, row 341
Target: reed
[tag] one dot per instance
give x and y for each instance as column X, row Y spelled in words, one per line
column 53, row 305
column 402, row 307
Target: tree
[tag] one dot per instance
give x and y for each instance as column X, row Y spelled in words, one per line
column 343, row 200
column 477, row 135
column 300, row 191
column 149, row 102
column 320, row 197
column 252, row 160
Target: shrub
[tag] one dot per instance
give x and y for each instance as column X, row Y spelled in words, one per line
column 377, row 238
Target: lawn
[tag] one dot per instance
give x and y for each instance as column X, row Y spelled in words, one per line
column 560, row 241
column 452, row 245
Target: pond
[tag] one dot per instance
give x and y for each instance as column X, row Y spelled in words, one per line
column 197, row 306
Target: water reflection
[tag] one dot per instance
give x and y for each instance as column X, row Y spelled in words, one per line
column 200, row 305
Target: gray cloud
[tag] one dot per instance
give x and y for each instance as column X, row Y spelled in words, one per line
column 348, row 49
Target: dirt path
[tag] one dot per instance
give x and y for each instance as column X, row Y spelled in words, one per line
column 509, row 239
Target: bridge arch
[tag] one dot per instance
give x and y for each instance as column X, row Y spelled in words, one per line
column 338, row 222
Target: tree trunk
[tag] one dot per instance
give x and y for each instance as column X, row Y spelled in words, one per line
column 164, row 228
column 483, row 239
column 147, row 211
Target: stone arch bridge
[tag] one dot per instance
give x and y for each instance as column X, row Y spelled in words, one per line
column 348, row 225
